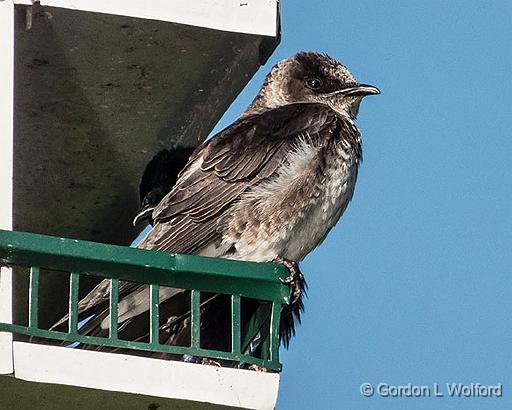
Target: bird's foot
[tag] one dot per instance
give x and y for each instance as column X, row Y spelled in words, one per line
column 144, row 213
column 210, row 362
column 295, row 279
column 257, row 368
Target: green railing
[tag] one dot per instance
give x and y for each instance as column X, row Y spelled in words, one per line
column 259, row 281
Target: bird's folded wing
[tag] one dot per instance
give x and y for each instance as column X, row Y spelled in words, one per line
column 231, row 163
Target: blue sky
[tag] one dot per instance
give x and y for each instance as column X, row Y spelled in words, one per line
column 414, row 285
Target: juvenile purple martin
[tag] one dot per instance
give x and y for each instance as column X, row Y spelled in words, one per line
column 269, row 187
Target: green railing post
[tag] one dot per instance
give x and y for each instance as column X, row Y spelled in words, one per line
column 74, row 284
column 113, row 309
column 154, row 314
column 33, row 317
column 275, row 320
column 235, row 324
column 195, row 326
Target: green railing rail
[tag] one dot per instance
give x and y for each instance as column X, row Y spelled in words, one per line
column 259, row 281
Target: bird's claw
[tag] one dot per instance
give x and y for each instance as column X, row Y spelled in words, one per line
column 295, row 279
column 258, row 368
column 210, row 362
column 200, row 360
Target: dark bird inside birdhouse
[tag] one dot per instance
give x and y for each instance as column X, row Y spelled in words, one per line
column 159, row 177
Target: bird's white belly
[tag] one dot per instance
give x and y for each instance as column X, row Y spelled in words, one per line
column 310, row 231
column 298, row 226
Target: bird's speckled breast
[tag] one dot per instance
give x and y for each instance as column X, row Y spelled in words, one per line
column 334, row 195
column 291, row 214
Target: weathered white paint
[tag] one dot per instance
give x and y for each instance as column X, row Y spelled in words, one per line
column 242, row 16
column 6, row 166
column 6, row 364
column 154, row 377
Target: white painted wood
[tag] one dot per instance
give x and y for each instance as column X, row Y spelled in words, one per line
column 6, row 360
column 154, row 377
column 242, row 16
column 6, row 167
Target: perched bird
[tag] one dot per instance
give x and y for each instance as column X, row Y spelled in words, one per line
column 158, row 179
column 269, row 187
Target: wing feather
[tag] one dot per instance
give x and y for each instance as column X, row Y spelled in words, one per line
column 238, row 158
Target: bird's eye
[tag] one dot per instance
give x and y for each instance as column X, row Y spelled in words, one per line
column 314, row 83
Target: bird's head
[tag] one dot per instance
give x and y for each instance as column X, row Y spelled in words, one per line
column 310, row 77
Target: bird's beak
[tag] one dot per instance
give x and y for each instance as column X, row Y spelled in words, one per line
column 360, row 90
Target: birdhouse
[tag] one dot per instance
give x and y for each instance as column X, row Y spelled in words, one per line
column 91, row 90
